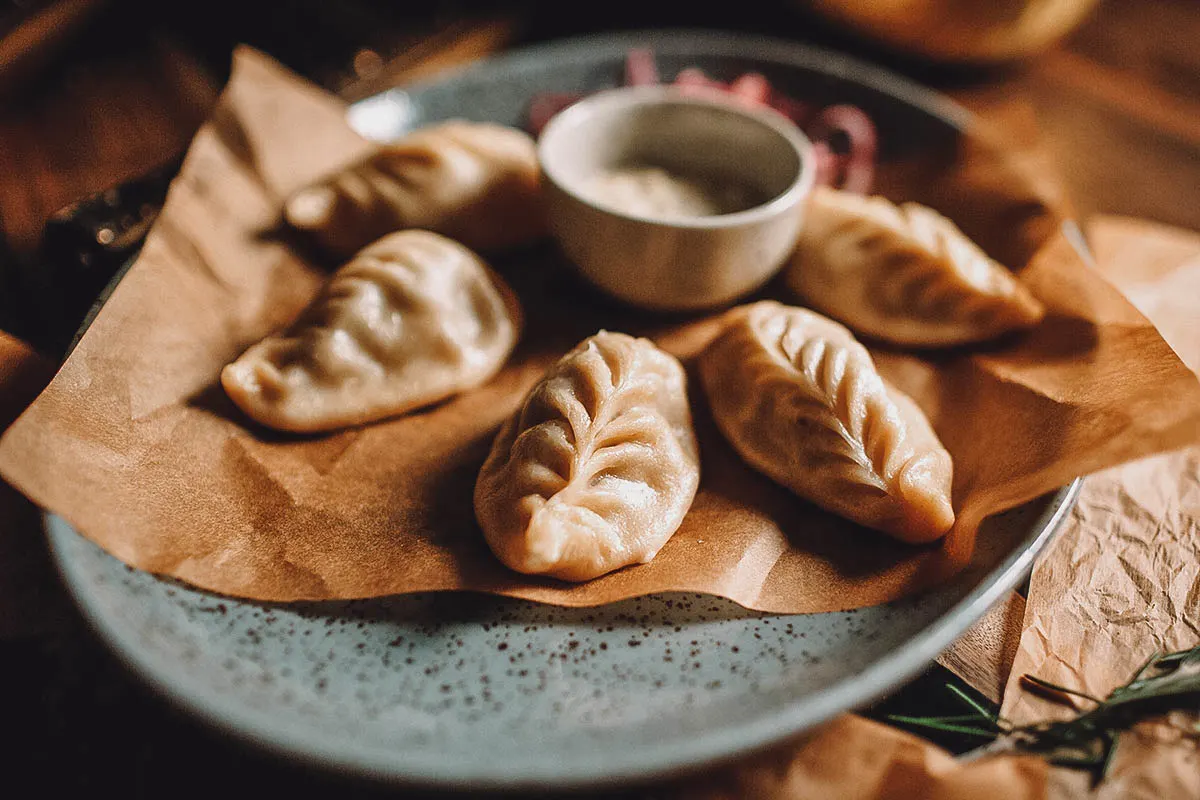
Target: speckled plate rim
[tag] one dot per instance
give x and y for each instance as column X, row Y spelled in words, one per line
column 670, row 757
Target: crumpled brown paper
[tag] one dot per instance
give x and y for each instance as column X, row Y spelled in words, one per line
column 136, row 445
column 1123, row 579
column 855, row 759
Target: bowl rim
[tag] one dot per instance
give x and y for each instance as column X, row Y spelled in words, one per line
column 622, row 98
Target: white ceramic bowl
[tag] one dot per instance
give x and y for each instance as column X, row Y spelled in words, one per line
column 675, row 262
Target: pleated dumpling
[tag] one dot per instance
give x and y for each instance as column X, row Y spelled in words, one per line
column 903, row 274
column 597, row 467
column 410, row 320
column 474, row 182
column 800, row 399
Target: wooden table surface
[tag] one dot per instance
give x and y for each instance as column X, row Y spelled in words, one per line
column 1118, row 105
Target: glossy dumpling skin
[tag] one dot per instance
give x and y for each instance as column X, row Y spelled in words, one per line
column 474, row 182
column 598, row 465
column 410, row 320
column 799, row 398
column 903, row 274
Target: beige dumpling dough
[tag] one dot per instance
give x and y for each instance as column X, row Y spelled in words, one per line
column 409, row 321
column 800, row 399
column 903, row 274
column 474, row 182
column 598, row 465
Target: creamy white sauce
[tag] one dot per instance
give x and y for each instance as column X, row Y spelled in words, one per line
column 656, row 192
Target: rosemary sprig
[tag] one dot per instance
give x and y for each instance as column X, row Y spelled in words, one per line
column 945, row 724
column 1052, row 690
column 978, row 708
column 1164, row 683
column 987, row 723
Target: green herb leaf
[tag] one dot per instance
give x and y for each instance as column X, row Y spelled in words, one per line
column 941, row 724
column 970, row 701
column 1166, row 682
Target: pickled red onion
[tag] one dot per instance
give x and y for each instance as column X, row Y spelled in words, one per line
column 852, row 170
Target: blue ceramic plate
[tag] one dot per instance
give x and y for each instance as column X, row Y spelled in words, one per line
column 472, row 691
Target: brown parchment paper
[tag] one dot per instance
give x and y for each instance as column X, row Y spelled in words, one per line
column 853, row 758
column 1123, row 579
column 135, row 444
column 983, row 656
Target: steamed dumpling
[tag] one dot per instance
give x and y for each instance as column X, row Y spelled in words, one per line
column 412, row 319
column 474, row 182
column 904, row 274
column 597, row 467
column 799, row 398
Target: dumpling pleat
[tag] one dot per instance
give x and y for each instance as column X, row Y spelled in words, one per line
column 598, row 466
column 800, row 400
column 904, row 274
column 475, row 182
column 397, row 328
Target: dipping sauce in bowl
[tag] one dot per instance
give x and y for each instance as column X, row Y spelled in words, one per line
column 657, row 192
column 671, row 200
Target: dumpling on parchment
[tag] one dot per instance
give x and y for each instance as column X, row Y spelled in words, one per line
column 903, row 274
column 598, row 466
column 476, row 183
column 801, row 401
column 411, row 320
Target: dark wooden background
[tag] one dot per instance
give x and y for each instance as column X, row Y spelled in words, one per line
column 1118, row 106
